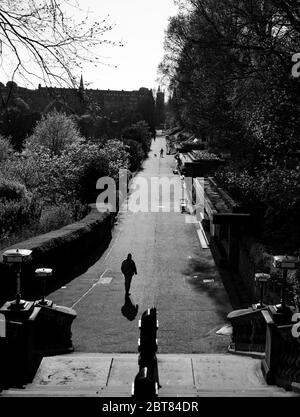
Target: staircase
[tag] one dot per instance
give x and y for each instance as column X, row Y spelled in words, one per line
column 180, row 375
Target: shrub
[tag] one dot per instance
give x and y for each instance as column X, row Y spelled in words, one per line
column 139, row 132
column 95, row 168
column 61, row 179
column 79, row 169
column 17, row 214
column 55, row 217
column 241, row 185
column 136, row 154
column 5, row 149
column 27, row 169
column 17, row 207
column 12, row 190
column 117, row 156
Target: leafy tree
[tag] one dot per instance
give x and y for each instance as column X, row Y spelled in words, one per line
column 117, row 157
column 96, row 167
column 10, row 190
column 86, row 162
column 86, row 125
column 55, row 132
column 136, row 154
column 228, row 66
column 18, row 207
column 28, row 168
column 139, row 132
column 17, row 121
column 92, row 126
column 120, row 119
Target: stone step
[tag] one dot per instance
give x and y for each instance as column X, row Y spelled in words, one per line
column 52, row 392
column 180, row 375
column 255, row 392
column 124, row 391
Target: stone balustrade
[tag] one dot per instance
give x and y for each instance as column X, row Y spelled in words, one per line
column 281, row 365
column 248, row 330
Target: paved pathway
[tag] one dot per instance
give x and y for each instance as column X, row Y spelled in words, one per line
column 174, row 274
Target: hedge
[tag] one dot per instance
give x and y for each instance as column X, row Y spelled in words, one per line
column 60, row 250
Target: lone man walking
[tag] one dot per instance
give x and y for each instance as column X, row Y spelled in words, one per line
column 161, row 153
column 128, row 269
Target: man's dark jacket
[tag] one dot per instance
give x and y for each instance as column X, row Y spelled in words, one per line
column 128, row 267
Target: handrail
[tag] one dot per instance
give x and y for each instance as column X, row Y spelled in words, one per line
column 244, row 314
column 267, row 317
column 285, row 328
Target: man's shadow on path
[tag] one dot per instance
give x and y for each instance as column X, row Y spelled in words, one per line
column 129, row 309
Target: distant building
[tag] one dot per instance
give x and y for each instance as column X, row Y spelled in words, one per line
column 76, row 101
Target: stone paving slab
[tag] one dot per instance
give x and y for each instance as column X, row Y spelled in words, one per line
column 173, row 370
column 123, row 371
column 227, row 372
column 73, row 371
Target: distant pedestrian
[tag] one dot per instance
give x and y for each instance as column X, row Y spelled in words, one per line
column 161, row 153
column 128, row 269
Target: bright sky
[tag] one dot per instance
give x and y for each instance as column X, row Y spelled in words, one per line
column 140, row 25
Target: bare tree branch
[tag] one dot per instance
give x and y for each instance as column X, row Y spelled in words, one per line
column 41, row 39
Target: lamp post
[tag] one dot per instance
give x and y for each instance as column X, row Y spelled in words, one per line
column 43, row 274
column 17, row 257
column 182, row 187
column 182, row 201
column 285, row 263
column 261, row 279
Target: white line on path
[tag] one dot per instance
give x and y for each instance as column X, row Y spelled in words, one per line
column 89, row 290
column 202, row 238
column 200, row 231
column 112, row 246
column 105, row 280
